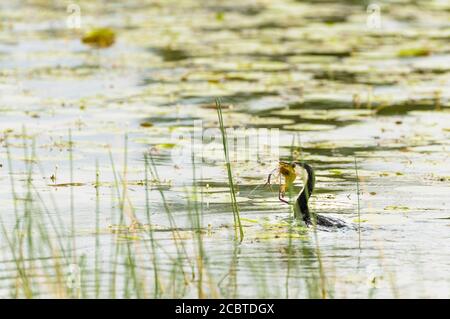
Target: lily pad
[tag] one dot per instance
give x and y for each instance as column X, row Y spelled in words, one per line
column 99, row 38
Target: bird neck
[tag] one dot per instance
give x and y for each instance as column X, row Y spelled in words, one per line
column 303, row 197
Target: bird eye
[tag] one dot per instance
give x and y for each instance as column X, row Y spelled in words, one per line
column 293, row 165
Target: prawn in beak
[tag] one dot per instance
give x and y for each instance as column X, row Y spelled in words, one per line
column 286, row 170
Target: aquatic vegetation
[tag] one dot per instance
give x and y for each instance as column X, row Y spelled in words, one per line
column 146, row 124
column 397, row 208
column 99, row 38
column 234, row 205
column 92, row 214
column 413, row 52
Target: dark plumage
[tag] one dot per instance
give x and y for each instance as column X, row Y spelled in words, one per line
column 301, row 207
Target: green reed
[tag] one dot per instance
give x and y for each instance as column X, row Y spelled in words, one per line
column 234, row 205
column 141, row 263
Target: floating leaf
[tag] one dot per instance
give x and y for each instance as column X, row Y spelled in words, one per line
column 166, row 145
column 394, row 207
column 146, row 124
column 413, row 52
column 67, row 184
column 99, row 38
column 249, row 220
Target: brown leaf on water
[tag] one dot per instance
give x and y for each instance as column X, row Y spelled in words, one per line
column 99, row 38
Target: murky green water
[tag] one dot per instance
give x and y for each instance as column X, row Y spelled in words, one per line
column 333, row 87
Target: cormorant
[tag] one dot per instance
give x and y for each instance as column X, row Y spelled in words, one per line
column 301, row 209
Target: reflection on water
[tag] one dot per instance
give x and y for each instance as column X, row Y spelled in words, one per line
column 334, row 88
